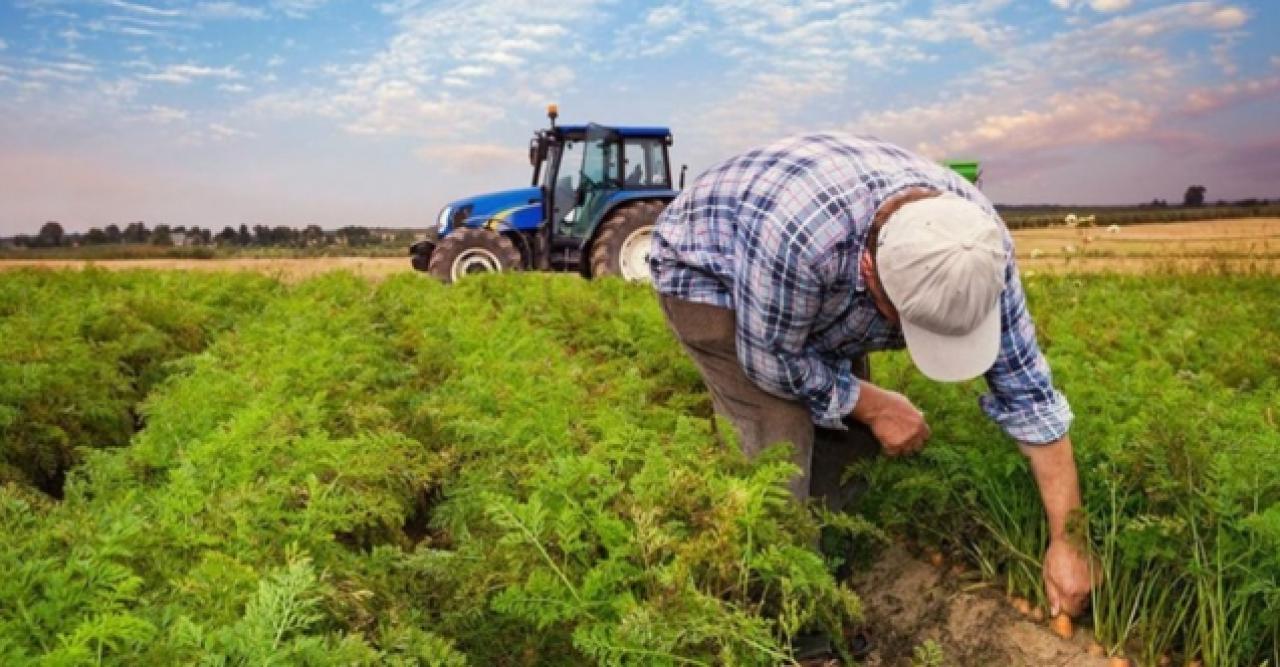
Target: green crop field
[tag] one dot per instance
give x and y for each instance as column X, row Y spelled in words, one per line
column 208, row 468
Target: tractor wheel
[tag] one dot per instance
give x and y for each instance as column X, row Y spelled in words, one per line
column 622, row 248
column 467, row 251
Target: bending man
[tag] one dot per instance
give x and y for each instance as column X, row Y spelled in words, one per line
column 780, row 267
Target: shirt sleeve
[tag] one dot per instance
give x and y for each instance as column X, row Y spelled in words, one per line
column 1023, row 400
column 777, row 295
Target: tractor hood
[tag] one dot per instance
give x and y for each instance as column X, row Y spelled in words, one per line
column 520, row 208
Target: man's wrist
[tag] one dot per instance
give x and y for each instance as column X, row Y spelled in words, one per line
column 870, row 403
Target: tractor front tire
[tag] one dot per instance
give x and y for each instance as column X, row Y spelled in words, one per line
column 622, row 248
column 467, row 251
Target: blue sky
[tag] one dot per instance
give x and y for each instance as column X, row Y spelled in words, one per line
column 306, row 111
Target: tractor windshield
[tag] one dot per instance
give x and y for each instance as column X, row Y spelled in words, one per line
column 644, row 161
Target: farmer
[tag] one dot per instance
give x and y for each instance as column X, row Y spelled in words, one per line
column 780, row 268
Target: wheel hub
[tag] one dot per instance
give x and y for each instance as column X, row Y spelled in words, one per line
column 633, row 257
column 474, row 260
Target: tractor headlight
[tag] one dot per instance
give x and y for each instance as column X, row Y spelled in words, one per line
column 442, row 222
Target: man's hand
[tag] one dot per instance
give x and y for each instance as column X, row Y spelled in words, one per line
column 1066, row 570
column 1067, row 582
column 895, row 422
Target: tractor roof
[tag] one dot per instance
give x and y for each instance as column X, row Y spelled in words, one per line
column 630, row 131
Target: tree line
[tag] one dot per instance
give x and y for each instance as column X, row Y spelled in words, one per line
column 52, row 235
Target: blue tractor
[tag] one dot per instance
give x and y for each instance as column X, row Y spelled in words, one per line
column 595, row 196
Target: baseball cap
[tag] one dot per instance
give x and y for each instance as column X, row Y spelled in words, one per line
column 942, row 261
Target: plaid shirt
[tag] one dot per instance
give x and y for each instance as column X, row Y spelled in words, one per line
column 775, row 234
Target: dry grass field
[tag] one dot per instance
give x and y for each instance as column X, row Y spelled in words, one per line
column 1245, row 245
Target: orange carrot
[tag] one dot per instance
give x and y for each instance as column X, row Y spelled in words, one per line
column 1037, row 614
column 936, row 559
column 1062, row 626
column 1022, row 606
column 1095, row 649
column 1118, row 661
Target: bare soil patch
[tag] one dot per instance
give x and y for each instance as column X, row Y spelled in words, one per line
column 908, row 602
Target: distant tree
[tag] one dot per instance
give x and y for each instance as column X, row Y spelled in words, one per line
column 355, row 236
column 51, row 235
column 95, row 236
column 1194, row 196
column 262, row 235
column 312, row 235
column 243, row 237
column 136, row 232
column 283, row 236
column 227, row 236
column 161, row 235
column 112, row 233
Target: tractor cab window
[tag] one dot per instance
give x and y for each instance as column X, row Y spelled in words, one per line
column 645, row 163
column 565, row 193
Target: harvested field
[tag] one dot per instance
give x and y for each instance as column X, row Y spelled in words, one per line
column 1246, row 245
column 289, row 269
column 1211, row 245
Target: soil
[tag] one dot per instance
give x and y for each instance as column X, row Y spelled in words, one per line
column 907, row 602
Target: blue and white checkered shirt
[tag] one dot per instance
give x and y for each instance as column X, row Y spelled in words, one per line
column 775, row 234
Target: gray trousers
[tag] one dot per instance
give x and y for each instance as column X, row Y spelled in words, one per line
column 761, row 419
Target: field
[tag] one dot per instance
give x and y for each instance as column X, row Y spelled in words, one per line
column 521, row 470
column 1246, row 244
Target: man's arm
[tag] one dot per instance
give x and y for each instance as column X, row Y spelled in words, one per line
column 1066, row 572
column 1024, row 402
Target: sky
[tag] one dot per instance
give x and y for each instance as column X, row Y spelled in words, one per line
column 301, row 112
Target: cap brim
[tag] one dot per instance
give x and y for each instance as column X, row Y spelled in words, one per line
column 955, row 358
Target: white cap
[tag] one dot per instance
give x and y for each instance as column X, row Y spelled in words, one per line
column 942, row 261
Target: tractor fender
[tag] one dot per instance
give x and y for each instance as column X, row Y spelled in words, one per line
column 620, row 199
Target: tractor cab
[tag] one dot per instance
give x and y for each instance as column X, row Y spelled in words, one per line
column 593, row 199
column 584, row 171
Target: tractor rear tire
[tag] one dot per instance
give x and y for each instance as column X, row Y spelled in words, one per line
column 468, row 250
column 622, row 248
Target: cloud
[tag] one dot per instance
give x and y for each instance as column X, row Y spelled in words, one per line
column 1100, row 6
column 1228, row 18
column 220, row 131
column 471, row 156
column 1108, row 6
column 68, row 72
column 146, row 10
column 3, row 45
column 233, row 88
column 228, row 10
column 422, row 83
column 163, row 115
column 1200, row 101
column 297, row 8
column 186, row 73
column 1220, row 53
